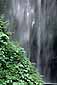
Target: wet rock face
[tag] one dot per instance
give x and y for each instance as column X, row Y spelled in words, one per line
column 53, row 62
column 55, row 46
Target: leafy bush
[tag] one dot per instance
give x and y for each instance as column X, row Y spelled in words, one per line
column 15, row 67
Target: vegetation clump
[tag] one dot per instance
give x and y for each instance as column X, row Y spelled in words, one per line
column 15, row 67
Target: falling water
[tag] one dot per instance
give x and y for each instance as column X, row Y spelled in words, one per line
column 32, row 30
column 39, row 33
column 34, row 25
column 22, row 12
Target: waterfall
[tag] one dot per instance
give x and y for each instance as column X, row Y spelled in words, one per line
column 23, row 13
column 34, row 24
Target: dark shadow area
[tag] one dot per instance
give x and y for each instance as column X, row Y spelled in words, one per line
column 52, row 63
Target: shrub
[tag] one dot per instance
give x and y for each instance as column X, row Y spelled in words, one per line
column 15, row 67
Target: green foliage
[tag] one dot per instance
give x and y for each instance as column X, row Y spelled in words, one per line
column 15, row 67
